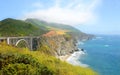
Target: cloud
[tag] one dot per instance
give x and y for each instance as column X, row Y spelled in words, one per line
column 72, row 12
column 37, row 5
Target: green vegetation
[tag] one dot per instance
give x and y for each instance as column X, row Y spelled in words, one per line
column 12, row 27
column 34, row 27
column 18, row 61
column 21, row 61
column 75, row 33
column 42, row 27
column 46, row 25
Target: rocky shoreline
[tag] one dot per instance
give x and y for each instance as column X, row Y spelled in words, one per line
column 63, row 46
column 65, row 57
column 74, row 58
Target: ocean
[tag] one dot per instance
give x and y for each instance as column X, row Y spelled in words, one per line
column 102, row 54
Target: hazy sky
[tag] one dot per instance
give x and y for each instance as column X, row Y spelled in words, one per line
column 91, row 16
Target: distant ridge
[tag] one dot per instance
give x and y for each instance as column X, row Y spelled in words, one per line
column 35, row 27
column 55, row 26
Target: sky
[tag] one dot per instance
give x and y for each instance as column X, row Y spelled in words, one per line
column 90, row 16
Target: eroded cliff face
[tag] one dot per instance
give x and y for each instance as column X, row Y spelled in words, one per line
column 59, row 44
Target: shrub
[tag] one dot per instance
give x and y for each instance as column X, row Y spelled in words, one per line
column 17, row 61
column 18, row 69
column 21, row 64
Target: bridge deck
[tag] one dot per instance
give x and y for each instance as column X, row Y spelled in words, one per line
column 20, row 37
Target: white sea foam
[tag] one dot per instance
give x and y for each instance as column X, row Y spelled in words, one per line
column 80, row 43
column 74, row 59
column 106, row 45
column 99, row 37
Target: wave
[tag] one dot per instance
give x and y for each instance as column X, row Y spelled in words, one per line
column 74, row 59
column 99, row 37
column 80, row 43
column 96, row 38
column 106, row 45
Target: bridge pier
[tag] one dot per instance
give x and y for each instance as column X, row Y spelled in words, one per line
column 8, row 40
column 31, row 43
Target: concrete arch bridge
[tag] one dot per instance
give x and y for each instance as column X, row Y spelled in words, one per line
column 31, row 42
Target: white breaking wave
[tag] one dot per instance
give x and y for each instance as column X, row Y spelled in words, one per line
column 80, row 43
column 99, row 37
column 106, row 45
column 74, row 59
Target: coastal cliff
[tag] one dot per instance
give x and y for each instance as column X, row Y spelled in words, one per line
column 60, row 44
column 54, row 40
column 57, row 39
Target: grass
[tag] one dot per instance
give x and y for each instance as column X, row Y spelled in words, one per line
column 19, row 61
column 57, row 30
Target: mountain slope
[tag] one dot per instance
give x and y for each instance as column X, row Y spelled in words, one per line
column 13, row 27
column 75, row 33
column 46, row 25
column 34, row 27
column 38, row 24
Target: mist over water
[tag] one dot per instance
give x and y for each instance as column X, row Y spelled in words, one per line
column 103, row 54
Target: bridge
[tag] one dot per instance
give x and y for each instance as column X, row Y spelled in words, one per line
column 31, row 41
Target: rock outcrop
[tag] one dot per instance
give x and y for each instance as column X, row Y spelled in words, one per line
column 59, row 44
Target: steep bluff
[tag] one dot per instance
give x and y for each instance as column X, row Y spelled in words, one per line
column 57, row 39
column 58, row 44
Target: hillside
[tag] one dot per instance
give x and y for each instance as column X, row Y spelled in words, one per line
column 60, row 39
column 13, row 27
column 34, row 27
column 44, row 24
column 16, row 61
column 59, row 28
column 55, row 40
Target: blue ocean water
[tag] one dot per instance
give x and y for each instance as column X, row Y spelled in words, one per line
column 103, row 54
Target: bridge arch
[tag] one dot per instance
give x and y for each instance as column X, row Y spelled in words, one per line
column 22, row 40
